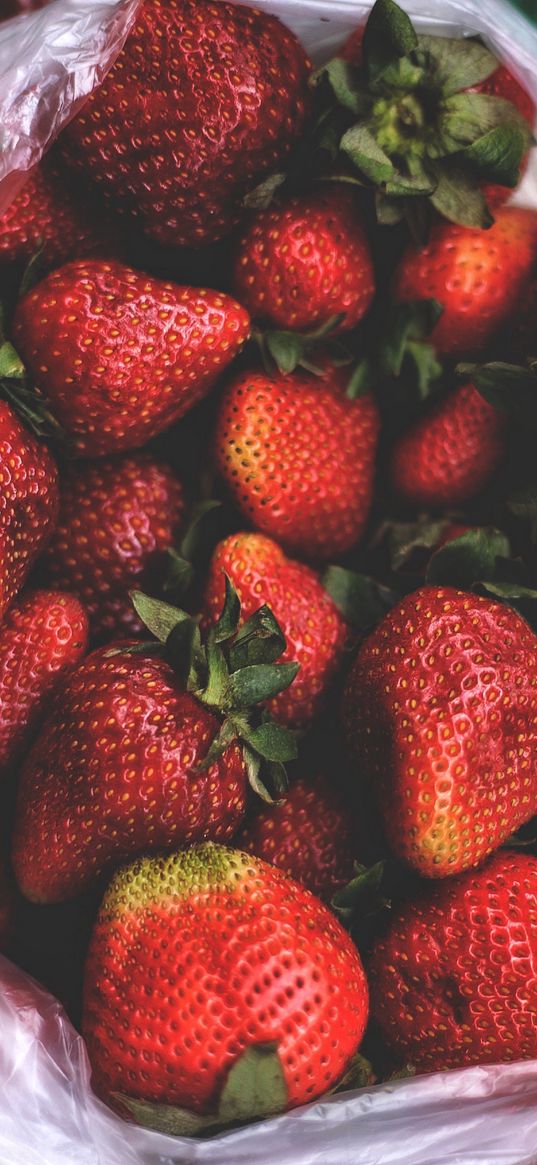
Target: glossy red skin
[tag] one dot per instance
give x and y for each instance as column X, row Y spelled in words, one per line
column 451, row 453
column 299, row 265
column 298, row 458
column 454, row 980
column 184, row 973
column 314, row 629
column 28, row 502
column 48, row 211
column 440, row 712
column 117, row 519
column 175, row 140
column 480, row 277
column 113, row 774
column 120, row 356
column 43, row 635
column 310, row 836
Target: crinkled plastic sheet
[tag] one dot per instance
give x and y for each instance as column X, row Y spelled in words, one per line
column 49, row 61
column 49, row 1115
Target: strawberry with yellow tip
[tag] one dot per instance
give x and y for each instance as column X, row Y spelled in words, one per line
column 297, row 454
column 203, row 964
column 440, row 713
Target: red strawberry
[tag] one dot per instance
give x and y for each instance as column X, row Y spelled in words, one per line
column 480, row 277
column 440, row 711
column 43, row 636
column 176, row 139
column 314, row 630
column 49, row 210
column 200, row 957
column 298, row 457
column 28, row 502
column 310, row 836
column 120, row 356
column 135, row 758
column 117, row 519
column 453, row 981
column 300, row 265
column 451, row 453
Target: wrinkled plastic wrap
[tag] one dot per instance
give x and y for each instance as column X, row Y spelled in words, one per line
column 49, row 61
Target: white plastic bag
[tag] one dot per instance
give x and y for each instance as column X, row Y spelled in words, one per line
column 49, row 61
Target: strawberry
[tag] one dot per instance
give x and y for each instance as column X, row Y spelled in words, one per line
column 43, row 636
column 138, row 755
column 310, row 836
column 176, row 140
column 208, row 958
column 440, row 712
column 117, row 519
column 28, row 502
column 452, row 452
column 302, row 264
column 120, row 356
column 314, row 630
column 49, row 211
column 297, row 455
column 479, row 277
column 453, row 980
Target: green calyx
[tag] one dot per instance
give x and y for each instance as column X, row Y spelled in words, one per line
column 283, row 352
column 511, row 388
column 404, row 121
column 254, row 1089
column 233, row 671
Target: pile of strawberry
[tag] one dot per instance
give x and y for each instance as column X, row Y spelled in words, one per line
column 268, row 565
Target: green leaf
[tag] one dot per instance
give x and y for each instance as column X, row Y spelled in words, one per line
column 488, row 129
column 229, row 619
column 185, row 654
column 253, row 685
column 160, row 618
column 524, row 506
column 227, row 733
column 255, row 1086
column 11, row 366
column 362, row 601
column 217, row 693
column 389, row 34
column 263, row 195
column 509, row 591
column 407, row 537
column 361, row 896
column 468, row 559
column 363, row 151
column 194, row 537
column 180, row 574
column 166, row 1118
column 410, row 185
column 427, row 367
column 267, row 779
column 390, row 210
column 506, row 386
column 259, row 640
column 498, row 154
column 458, row 199
column 359, row 1074
column 34, row 271
column 363, row 376
column 273, row 742
column 343, row 79
column 406, row 322
column 458, row 63
column 286, row 349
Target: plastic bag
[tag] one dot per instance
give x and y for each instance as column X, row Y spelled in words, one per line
column 49, row 61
